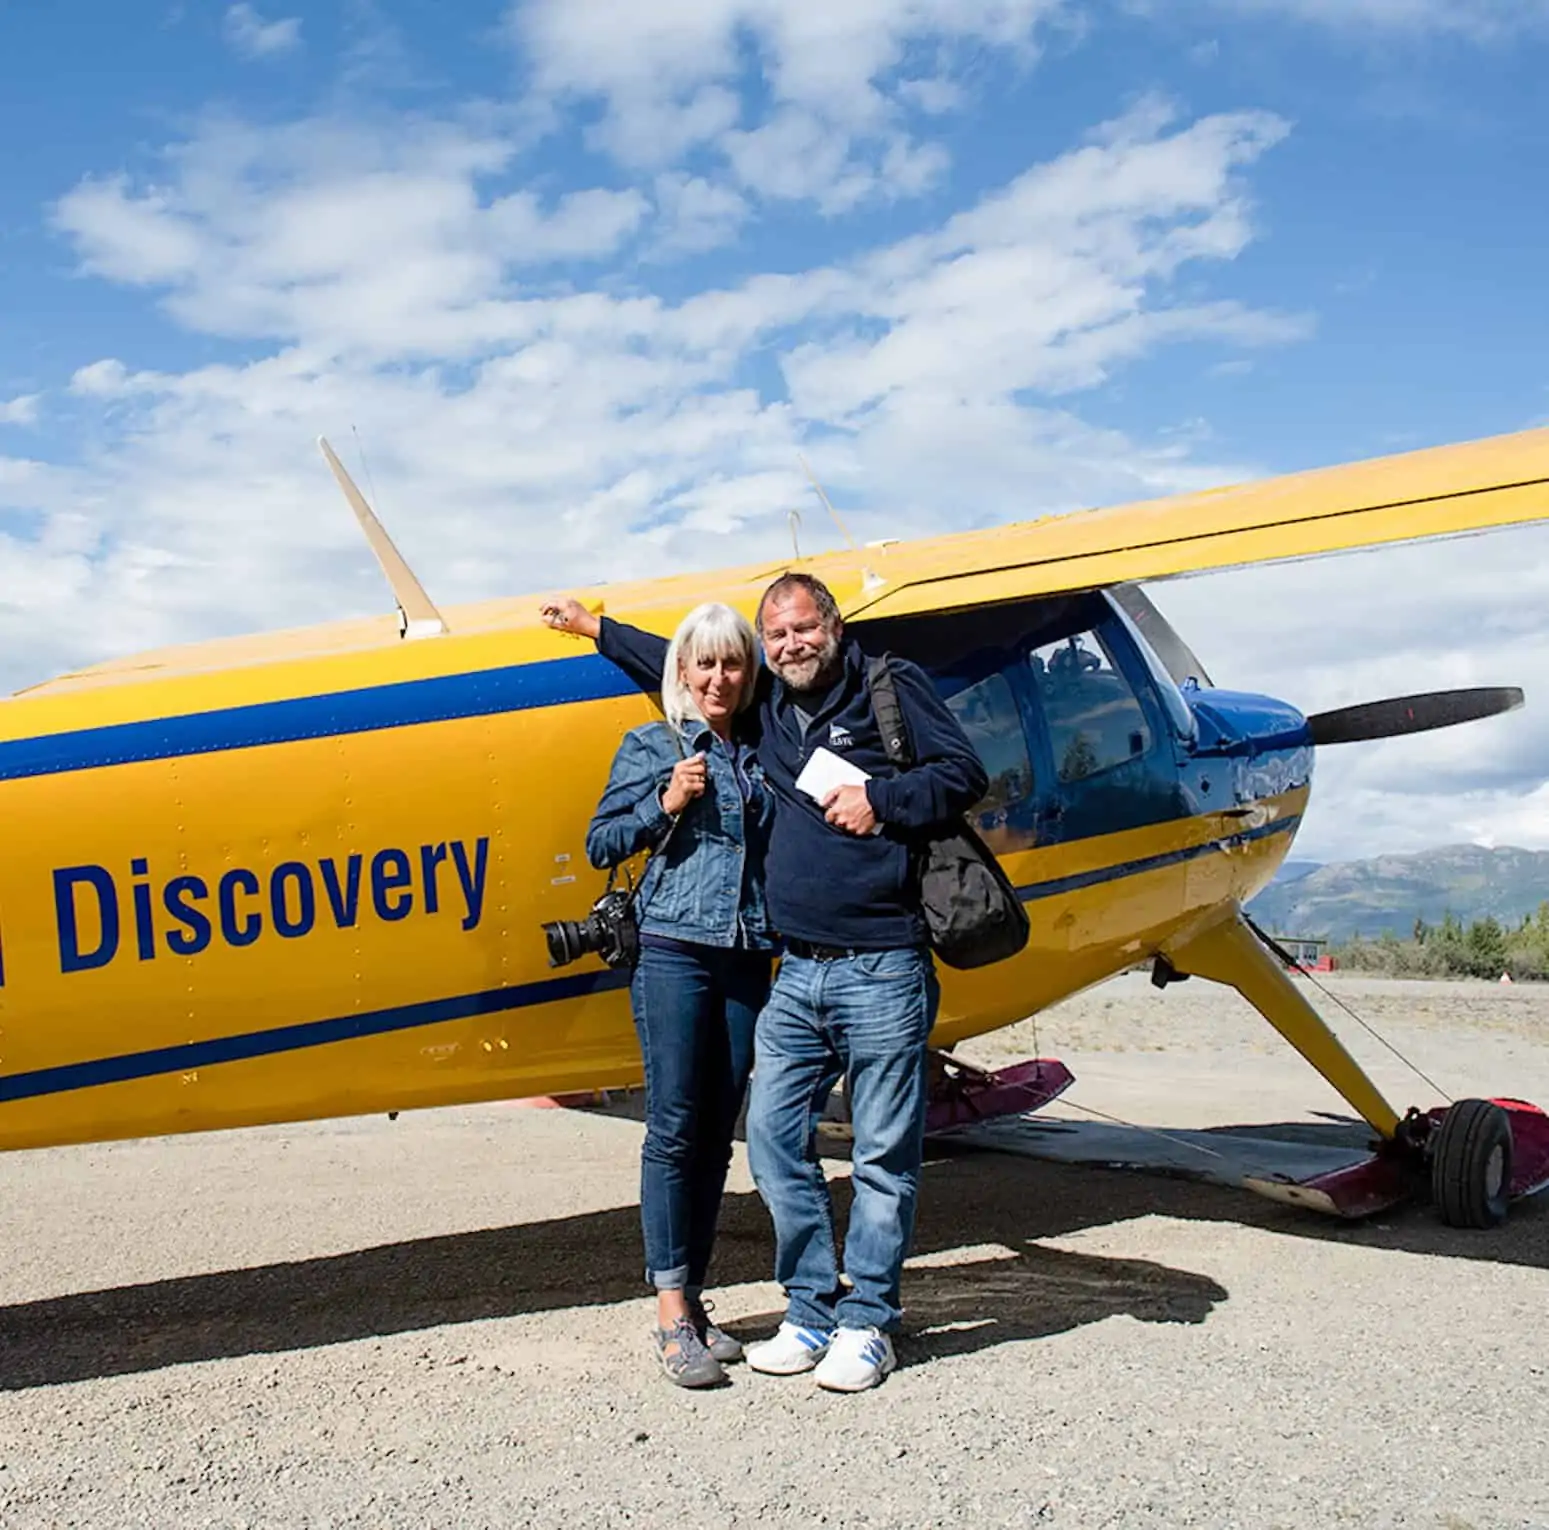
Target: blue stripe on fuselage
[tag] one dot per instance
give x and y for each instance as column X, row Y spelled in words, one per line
column 313, row 1033
column 1032, row 891
column 401, row 704
column 309, row 1033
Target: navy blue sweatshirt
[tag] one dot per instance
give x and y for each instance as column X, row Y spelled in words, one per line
column 824, row 884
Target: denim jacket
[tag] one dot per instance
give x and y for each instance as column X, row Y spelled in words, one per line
column 704, row 883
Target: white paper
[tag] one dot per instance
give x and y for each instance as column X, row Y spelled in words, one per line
column 826, row 770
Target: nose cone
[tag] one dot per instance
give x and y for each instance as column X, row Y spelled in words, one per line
column 1257, row 747
column 1239, row 723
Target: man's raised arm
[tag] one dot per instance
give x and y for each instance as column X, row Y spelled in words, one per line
column 641, row 655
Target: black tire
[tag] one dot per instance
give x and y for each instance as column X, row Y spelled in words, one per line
column 1471, row 1165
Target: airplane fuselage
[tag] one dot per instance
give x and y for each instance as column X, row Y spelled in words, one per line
column 312, row 884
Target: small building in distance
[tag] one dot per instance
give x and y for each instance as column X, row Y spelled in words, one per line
column 1310, row 952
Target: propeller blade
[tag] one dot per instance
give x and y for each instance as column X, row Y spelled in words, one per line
column 1411, row 714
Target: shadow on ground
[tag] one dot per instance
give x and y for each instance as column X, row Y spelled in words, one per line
column 958, row 1309
column 590, row 1260
column 969, row 1199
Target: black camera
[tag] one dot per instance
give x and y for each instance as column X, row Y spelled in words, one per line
column 609, row 930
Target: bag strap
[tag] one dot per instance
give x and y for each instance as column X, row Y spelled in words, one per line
column 888, row 712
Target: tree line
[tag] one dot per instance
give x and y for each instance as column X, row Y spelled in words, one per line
column 1483, row 948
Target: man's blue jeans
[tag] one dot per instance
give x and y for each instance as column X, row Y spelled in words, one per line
column 694, row 1014
column 866, row 1016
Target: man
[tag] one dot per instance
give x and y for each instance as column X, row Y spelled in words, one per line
column 856, row 992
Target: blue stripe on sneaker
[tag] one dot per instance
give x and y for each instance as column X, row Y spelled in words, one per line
column 810, row 1339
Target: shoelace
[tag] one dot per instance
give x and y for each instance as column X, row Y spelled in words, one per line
column 686, row 1337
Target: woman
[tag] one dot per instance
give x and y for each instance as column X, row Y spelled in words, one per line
column 692, row 793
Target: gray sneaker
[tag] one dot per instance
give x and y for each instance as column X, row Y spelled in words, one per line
column 720, row 1343
column 684, row 1357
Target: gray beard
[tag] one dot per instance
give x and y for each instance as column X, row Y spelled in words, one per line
column 827, row 671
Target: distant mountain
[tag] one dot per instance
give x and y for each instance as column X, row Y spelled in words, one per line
column 1294, row 871
column 1391, row 891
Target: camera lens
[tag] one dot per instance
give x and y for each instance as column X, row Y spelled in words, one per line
column 567, row 940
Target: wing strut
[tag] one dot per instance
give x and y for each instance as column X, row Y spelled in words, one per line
column 417, row 613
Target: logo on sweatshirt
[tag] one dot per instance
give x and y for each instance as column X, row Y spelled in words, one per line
column 840, row 737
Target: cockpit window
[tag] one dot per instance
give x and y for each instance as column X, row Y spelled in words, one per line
column 1179, row 713
column 1094, row 718
column 988, row 714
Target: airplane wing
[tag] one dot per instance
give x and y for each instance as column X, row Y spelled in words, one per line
column 1444, row 491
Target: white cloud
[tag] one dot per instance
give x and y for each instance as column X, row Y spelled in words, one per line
column 538, row 410
column 128, row 238
column 20, row 411
column 352, row 237
column 582, row 225
column 253, row 37
column 695, row 214
column 1390, row 622
column 528, row 426
column 932, row 94
column 1050, row 283
column 839, row 95
column 796, row 156
column 101, row 379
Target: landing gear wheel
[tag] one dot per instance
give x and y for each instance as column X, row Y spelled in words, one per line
column 1471, row 1165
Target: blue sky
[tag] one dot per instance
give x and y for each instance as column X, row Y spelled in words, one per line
column 586, row 275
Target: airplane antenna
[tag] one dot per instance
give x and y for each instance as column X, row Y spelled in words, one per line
column 365, row 466
column 417, row 614
column 870, row 579
column 828, row 504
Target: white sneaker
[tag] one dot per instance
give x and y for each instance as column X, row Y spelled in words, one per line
column 792, row 1350
column 857, row 1358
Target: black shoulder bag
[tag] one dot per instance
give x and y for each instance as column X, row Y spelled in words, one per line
column 972, row 913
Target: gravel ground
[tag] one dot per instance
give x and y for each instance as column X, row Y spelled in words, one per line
column 437, row 1321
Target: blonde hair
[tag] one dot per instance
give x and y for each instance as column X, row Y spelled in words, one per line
column 710, row 631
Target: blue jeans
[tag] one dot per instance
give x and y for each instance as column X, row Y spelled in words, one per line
column 868, row 1017
column 694, row 1014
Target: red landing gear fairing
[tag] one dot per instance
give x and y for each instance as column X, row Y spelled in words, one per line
column 1475, row 1156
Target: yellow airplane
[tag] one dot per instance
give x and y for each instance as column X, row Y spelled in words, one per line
column 305, row 874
